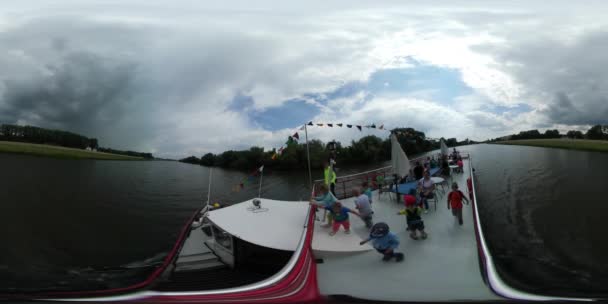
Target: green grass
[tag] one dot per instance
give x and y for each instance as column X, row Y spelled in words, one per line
column 561, row 143
column 58, row 152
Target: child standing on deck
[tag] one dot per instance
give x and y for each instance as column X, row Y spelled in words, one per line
column 455, row 201
column 367, row 191
column 364, row 207
column 339, row 214
column 384, row 242
column 414, row 220
column 327, row 199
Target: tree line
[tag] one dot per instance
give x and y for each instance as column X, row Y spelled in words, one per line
column 369, row 149
column 597, row 132
column 37, row 135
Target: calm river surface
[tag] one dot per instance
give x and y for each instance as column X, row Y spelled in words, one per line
column 84, row 224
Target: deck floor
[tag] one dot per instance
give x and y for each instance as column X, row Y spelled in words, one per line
column 443, row 267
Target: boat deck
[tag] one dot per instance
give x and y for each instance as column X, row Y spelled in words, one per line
column 443, row 267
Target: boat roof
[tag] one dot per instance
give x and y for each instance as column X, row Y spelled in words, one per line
column 277, row 224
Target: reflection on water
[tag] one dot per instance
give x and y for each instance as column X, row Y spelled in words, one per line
column 92, row 224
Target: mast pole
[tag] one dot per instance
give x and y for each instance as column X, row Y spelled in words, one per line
column 209, row 188
column 261, row 178
column 308, row 156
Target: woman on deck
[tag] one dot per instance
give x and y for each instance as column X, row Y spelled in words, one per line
column 426, row 187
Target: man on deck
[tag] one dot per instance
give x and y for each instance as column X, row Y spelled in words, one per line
column 330, row 178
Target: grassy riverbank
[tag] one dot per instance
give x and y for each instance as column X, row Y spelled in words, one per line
column 58, row 152
column 561, row 143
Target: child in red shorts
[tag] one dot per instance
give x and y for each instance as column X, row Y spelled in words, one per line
column 340, row 216
column 455, row 198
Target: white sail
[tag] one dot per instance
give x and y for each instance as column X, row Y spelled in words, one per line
column 399, row 161
column 444, row 148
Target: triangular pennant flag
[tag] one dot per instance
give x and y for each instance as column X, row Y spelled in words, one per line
column 281, row 150
column 274, row 156
column 339, row 125
column 302, row 128
column 359, row 127
column 349, row 126
column 373, row 126
column 296, row 136
column 310, row 123
column 320, row 124
column 330, row 125
column 261, row 169
column 381, row 127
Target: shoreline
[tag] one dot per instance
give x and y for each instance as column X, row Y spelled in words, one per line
column 58, row 152
column 559, row 143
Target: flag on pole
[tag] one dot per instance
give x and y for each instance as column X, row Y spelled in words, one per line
column 339, row 125
column 359, row 127
column 310, row 123
column 296, row 136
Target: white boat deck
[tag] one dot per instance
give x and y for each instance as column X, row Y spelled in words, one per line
column 443, row 267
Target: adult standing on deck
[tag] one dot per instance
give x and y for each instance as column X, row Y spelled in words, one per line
column 330, row 178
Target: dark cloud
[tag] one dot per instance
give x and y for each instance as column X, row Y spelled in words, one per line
column 567, row 76
column 80, row 92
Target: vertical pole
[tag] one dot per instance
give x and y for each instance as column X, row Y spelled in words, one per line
column 209, row 188
column 261, row 178
column 308, row 156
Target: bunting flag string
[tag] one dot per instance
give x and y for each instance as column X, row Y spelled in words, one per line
column 248, row 179
column 295, row 137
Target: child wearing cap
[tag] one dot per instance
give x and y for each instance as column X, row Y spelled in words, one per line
column 455, row 198
column 385, row 242
column 413, row 218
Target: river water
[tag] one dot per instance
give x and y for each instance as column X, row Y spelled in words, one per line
column 85, row 224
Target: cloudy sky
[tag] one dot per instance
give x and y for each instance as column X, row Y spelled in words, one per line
column 178, row 78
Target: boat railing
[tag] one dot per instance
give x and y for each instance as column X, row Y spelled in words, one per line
column 345, row 184
column 489, row 272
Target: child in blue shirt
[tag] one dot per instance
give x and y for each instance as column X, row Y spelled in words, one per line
column 385, row 242
column 339, row 214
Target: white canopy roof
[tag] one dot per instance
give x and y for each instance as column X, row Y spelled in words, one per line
column 444, row 148
column 399, row 161
column 278, row 224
